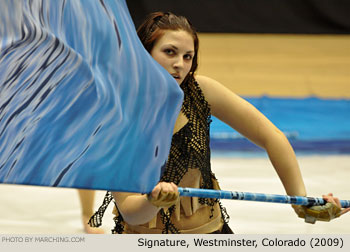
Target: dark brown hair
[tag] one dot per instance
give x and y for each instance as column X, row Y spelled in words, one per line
column 157, row 23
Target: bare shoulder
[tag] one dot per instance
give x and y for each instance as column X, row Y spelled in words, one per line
column 205, row 82
column 213, row 90
column 208, row 85
column 236, row 111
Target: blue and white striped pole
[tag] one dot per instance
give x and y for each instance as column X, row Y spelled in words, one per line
column 274, row 198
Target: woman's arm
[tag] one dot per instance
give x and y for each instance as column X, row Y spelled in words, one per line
column 136, row 208
column 247, row 120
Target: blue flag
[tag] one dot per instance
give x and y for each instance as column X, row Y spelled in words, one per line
column 82, row 104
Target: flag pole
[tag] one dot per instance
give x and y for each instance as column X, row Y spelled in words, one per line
column 262, row 197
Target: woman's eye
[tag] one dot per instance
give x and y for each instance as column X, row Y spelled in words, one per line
column 169, row 51
column 188, row 56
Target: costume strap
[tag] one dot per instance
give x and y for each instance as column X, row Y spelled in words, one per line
column 96, row 219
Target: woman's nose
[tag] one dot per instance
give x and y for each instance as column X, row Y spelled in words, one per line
column 178, row 63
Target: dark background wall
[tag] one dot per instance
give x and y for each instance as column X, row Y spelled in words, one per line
column 254, row 16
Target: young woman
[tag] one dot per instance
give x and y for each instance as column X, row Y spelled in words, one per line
column 173, row 43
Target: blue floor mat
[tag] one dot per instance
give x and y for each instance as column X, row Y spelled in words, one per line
column 311, row 124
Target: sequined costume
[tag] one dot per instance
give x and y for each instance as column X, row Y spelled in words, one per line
column 188, row 165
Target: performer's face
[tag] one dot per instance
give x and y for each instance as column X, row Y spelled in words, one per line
column 174, row 51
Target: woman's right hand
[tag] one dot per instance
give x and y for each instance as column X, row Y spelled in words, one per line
column 164, row 194
column 138, row 209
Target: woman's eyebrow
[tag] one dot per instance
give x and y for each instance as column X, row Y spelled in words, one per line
column 174, row 47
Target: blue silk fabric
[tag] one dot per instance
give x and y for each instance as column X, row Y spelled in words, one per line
column 82, row 104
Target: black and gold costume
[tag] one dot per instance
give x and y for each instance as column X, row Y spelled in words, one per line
column 188, row 165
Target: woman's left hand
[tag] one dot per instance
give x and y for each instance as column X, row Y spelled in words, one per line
column 331, row 210
column 331, row 199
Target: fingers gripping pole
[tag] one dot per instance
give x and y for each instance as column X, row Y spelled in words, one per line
column 274, row 198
